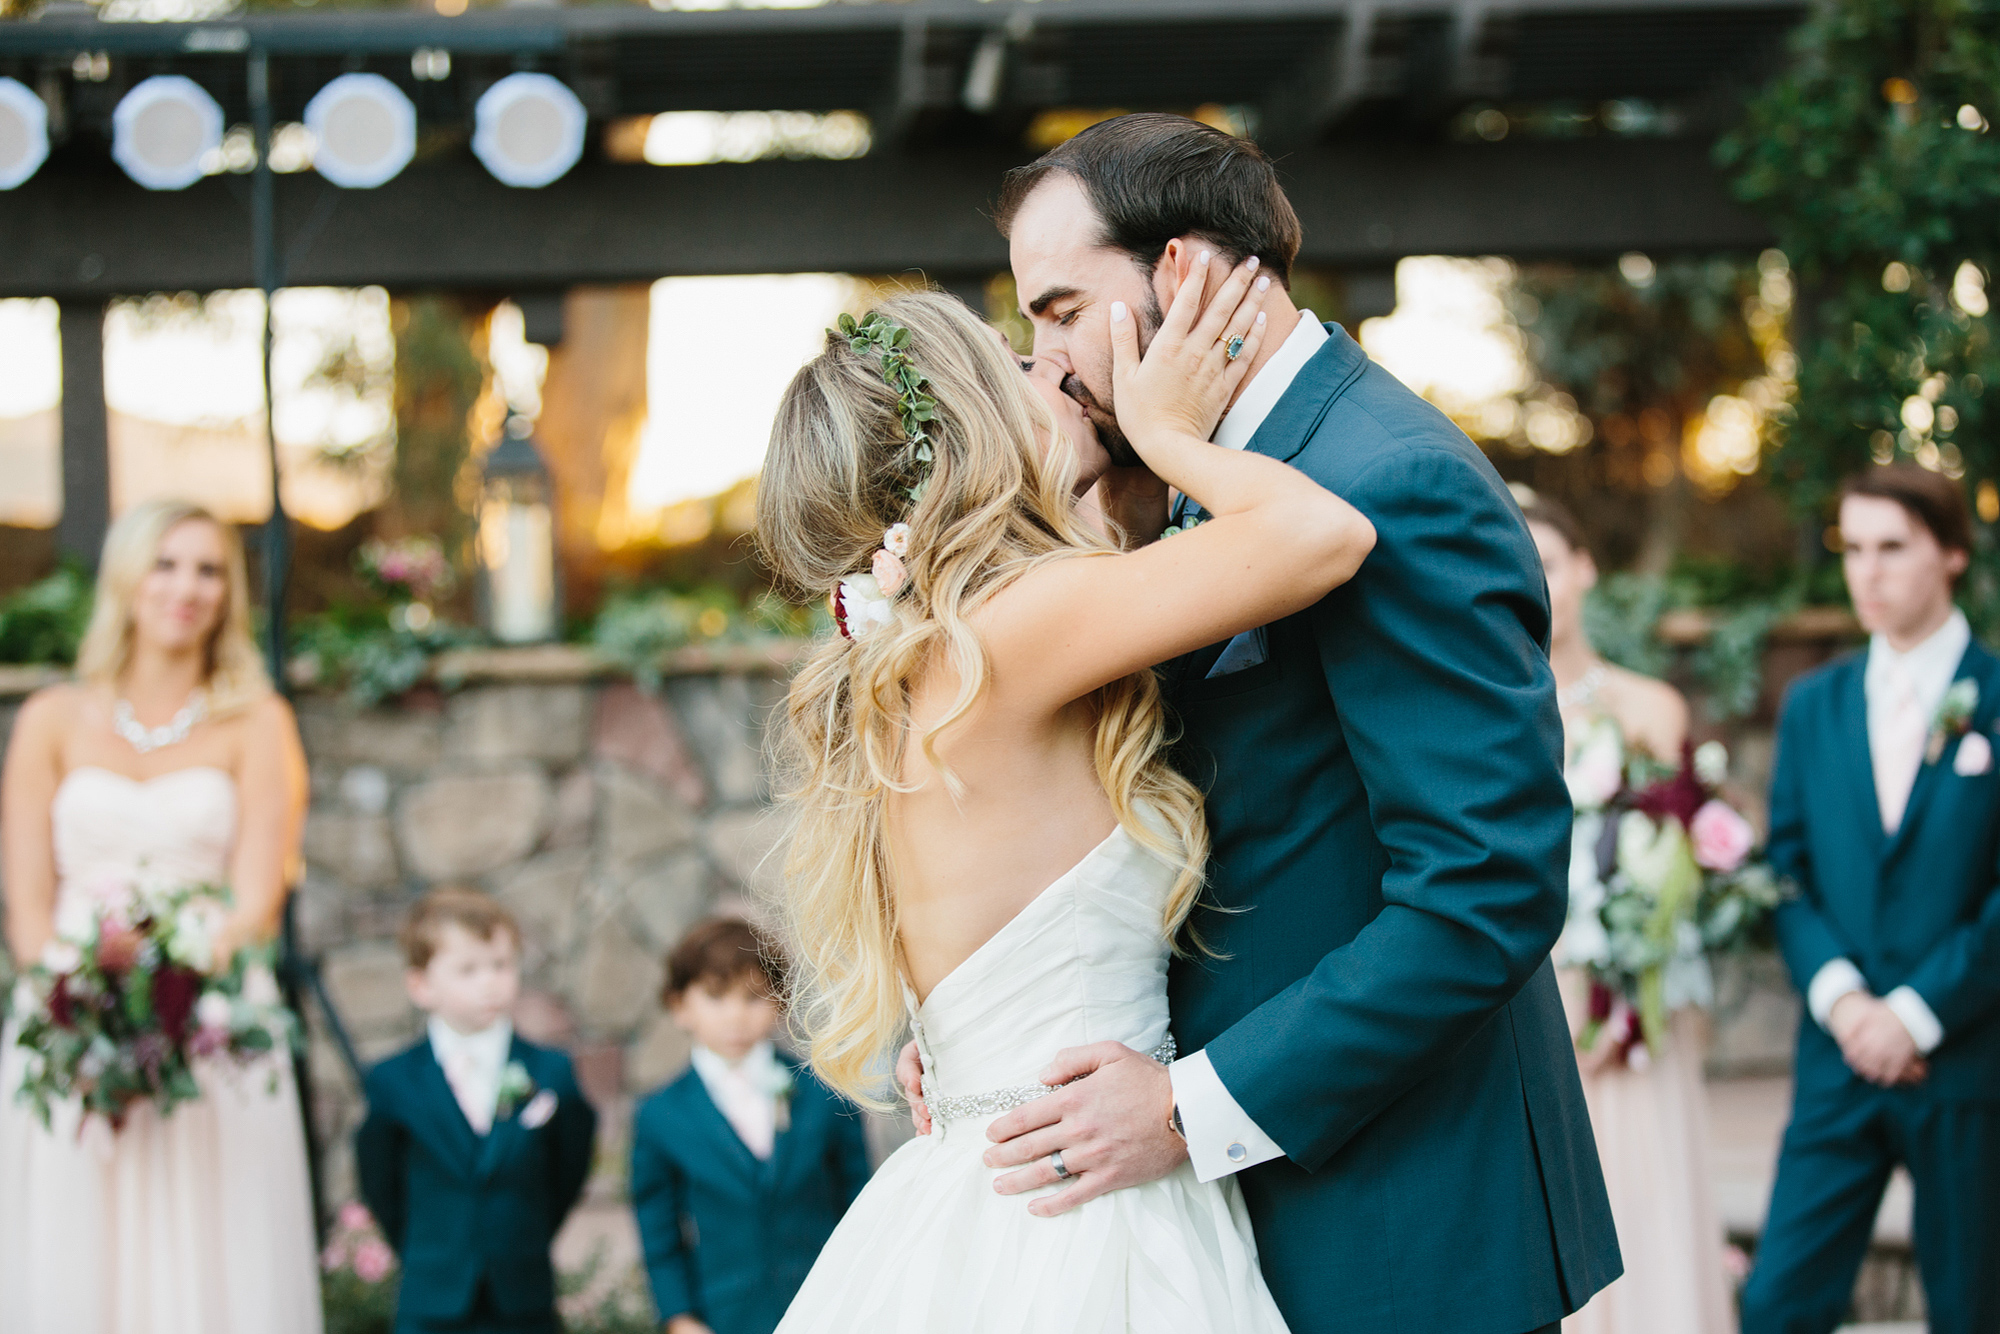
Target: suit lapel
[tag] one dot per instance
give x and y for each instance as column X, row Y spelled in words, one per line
column 704, row 1112
column 440, row 1117
column 1973, row 664
column 1855, row 757
column 499, row 1141
column 792, row 1131
column 1337, row 364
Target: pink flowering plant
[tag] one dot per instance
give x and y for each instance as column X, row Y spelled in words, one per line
column 410, row 569
column 128, row 997
column 357, row 1274
column 1665, row 874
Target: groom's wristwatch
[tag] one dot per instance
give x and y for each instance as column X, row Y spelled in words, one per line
column 1174, row 1122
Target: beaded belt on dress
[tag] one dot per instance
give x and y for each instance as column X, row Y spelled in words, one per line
column 995, row 1101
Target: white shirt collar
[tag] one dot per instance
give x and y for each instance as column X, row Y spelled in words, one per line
column 487, row 1048
column 759, row 1068
column 1930, row 664
column 1270, row 382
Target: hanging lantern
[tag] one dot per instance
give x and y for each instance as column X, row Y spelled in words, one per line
column 163, row 131
column 24, row 133
column 528, row 129
column 364, row 129
column 518, row 587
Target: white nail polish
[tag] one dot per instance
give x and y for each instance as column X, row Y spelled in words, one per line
column 1117, row 312
column 1202, row 258
column 1264, row 282
column 1260, row 317
column 1253, row 263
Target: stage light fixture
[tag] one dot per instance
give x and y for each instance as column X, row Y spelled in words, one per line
column 163, row 129
column 24, row 133
column 528, row 129
column 364, row 130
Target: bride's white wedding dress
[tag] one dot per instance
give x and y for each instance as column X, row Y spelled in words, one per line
column 930, row 1248
column 194, row 1223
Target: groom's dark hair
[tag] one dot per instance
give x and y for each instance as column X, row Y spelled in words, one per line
column 1153, row 177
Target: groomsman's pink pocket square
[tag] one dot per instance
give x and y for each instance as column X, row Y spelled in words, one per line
column 539, row 1109
column 1975, row 755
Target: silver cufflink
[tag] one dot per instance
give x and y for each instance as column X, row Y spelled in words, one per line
column 1237, row 1153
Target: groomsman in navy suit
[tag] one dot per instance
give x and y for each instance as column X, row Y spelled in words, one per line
column 1885, row 809
column 743, row 1165
column 477, row 1143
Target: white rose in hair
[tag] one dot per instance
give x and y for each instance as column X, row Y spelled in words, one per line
column 897, row 540
column 863, row 605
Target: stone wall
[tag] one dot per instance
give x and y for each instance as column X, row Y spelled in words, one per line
column 609, row 820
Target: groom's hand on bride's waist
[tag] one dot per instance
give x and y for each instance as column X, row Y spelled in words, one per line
column 1111, row 1128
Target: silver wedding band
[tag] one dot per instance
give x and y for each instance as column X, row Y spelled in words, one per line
column 1233, row 349
column 1055, row 1161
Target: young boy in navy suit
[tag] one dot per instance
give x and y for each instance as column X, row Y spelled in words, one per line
column 477, row 1144
column 743, row 1165
column 1885, row 810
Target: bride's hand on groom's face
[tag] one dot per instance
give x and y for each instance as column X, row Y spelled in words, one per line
column 1111, row 1128
column 1186, row 377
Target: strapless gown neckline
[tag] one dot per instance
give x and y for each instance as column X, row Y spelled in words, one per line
column 930, row 1248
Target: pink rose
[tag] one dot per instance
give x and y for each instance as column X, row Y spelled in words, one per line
column 354, row 1217
column 373, row 1260
column 334, row 1258
column 1721, row 837
column 890, row 572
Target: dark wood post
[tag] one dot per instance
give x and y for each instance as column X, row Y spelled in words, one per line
column 86, row 445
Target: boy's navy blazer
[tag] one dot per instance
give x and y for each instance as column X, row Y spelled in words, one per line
column 460, row 1207
column 1391, row 838
column 1917, row 908
column 728, row 1237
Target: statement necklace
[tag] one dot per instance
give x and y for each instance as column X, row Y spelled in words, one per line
column 1582, row 690
column 146, row 739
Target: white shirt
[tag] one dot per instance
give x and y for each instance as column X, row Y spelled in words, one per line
column 1930, row 668
column 472, row 1063
column 746, row 1093
column 1221, row 1137
column 1271, row 381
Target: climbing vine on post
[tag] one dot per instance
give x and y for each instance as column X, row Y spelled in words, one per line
column 1874, row 156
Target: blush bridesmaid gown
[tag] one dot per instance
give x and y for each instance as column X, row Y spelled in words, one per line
column 194, row 1223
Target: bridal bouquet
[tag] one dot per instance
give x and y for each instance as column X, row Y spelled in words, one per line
column 1663, row 875
column 121, row 1003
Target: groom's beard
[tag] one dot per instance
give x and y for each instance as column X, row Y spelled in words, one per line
column 1101, row 415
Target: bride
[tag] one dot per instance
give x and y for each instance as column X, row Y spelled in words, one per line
column 991, row 848
column 171, row 757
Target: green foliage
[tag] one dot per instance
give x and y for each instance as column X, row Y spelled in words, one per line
column 44, row 622
column 637, row 627
column 353, row 1305
column 1873, row 157
column 1623, row 614
column 1666, row 337
column 367, row 654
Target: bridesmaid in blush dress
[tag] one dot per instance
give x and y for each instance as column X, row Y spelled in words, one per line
column 1652, row 1122
column 169, row 757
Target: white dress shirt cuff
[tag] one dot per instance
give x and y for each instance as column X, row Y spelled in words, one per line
column 1917, row 1016
column 1221, row 1137
column 1836, row 978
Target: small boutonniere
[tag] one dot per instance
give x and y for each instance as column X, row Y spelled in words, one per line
column 778, row 1082
column 516, row 1087
column 1954, row 717
column 1187, row 525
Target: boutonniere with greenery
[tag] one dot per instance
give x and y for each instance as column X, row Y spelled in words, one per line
column 1954, row 717
column 516, row 1087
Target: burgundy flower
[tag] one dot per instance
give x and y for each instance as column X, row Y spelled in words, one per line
column 175, row 990
column 61, row 1009
column 1601, row 998
column 1680, row 796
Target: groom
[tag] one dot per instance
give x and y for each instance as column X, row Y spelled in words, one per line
column 1376, row 1044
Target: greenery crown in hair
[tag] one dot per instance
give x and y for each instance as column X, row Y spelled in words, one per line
column 878, row 336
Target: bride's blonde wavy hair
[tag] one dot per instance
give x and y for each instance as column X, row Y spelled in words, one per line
column 993, row 508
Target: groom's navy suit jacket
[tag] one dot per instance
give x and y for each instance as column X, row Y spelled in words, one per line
column 1391, row 842
column 467, row 1211
column 1917, row 908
